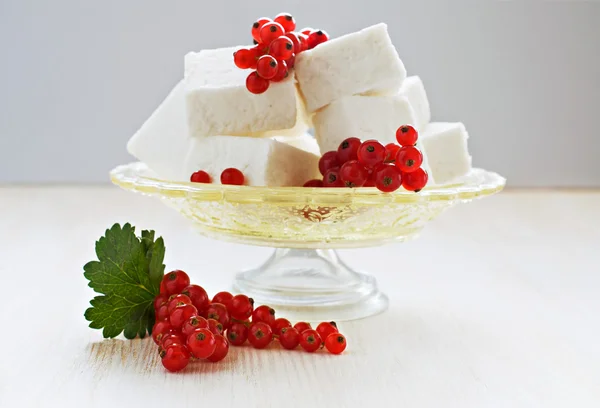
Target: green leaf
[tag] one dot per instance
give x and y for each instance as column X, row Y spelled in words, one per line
column 128, row 274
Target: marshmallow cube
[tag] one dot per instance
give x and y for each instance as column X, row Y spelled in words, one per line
column 412, row 88
column 445, row 147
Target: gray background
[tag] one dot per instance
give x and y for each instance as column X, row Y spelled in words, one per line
column 77, row 77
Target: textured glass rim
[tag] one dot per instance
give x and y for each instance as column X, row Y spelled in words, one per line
column 477, row 183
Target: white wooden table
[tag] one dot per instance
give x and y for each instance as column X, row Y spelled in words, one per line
column 496, row 305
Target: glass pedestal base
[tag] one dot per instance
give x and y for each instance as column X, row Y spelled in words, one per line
column 312, row 285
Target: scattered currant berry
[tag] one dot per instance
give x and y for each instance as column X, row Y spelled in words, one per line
column 317, row 37
column 215, row 327
column 371, row 153
column 407, row 135
column 279, row 324
column 243, row 59
column 180, row 314
column 222, row 297
column 282, row 48
column 237, row 334
column 391, row 151
column 287, row 21
column 307, row 30
column 348, row 150
column 409, row 159
column 301, row 326
column 270, row 31
column 159, row 330
column 218, row 311
column 335, row 343
column 310, row 340
column 175, row 357
column 267, row 66
column 282, row 72
column 258, row 24
column 200, row 177
column 174, row 282
column 256, row 84
column 303, row 41
column 328, row 161
column 260, row 334
column 172, row 338
column 332, row 178
column 313, row 183
column 192, row 324
column 221, row 349
column 240, row 307
column 199, row 297
column 388, row 178
column 296, row 41
column 264, row 314
column 415, row 181
column 202, row 343
column 325, row 329
column 162, row 313
column 178, row 300
column 289, row 338
column 353, row 174
column 160, row 300
column 291, row 61
column 232, row 176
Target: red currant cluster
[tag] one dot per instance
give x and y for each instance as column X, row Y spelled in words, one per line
column 228, row 176
column 275, row 50
column 371, row 164
column 190, row 325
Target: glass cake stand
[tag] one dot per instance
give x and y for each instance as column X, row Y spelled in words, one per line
column 305, row 278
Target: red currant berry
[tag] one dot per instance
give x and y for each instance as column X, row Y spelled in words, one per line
column 202, row 343
column 370, row 181
column 232, row 176
column 175, row 281
column 407, row 135
column 325, row 329
column 354, row 174
column 348, row 150
column 162, row 313
column 310, row 340
column 287, row 21
column 328, row 161
column 178, row 300
column 279, row 324
column 264, row 314
column 371, row 153
column 256, row 84
column 303, row 42
column 266, row 67
column 260, row 335
column 175, row 357
column 317, row 37
column 282, row 48
column 237, row 334
column 240, row 307
column 192, row 324
column 258, row 52
column 391, row 151
column 291, row 61
column 415, row 181
column 282, row 72
column 307, row 30
column 218, row 311
column 215, row 327
column 335, row 343
column 159, row 330
column 301, row 326
column 172, row 338
column 243, row 59
column 296, row 41
column 258, row 24
column 289, row 338
column 270, row 31
column 313, row 183
column 180, row 314
column 199, row 297
column 221, row 349
column 160, row 300
column 222, row 297
column 409, row 159
column 332, row 178
column 388, row 178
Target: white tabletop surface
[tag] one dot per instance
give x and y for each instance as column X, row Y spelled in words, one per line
column 497, row 304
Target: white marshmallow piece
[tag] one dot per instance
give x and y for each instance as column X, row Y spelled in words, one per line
column 444, row 145
column 218, row 102
column 412, row 88
column 264, row 162
column 357, row 63
column 162, row 142
column 305, row 142
column 365, row 117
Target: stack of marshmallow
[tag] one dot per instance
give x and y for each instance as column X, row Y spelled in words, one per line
column 351, row 86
